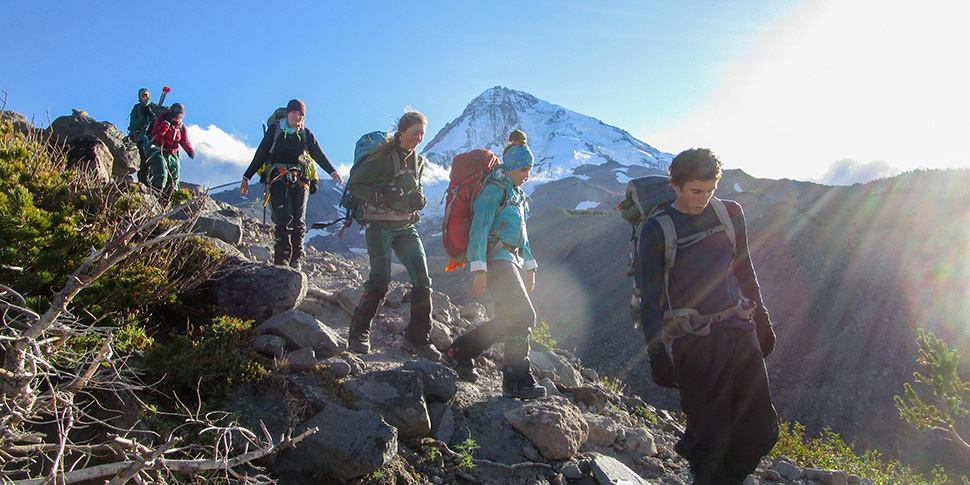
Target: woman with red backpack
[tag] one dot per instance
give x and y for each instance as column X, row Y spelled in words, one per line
column 499, row 255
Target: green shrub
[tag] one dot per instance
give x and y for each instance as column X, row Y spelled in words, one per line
column 828, row 451
column 219, row 360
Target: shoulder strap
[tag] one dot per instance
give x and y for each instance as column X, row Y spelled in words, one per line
column 722, row 214
column 670, row 252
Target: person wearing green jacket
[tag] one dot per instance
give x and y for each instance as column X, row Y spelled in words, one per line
column 141, row 114
column 499, row 255
column 389, row 184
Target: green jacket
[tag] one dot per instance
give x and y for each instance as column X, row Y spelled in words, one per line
column 138, row 119
column 376, row 174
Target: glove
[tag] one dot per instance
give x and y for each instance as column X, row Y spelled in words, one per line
column 314, row 185
column 661, row 367
column 766, row 335
column 417, row 201
column 191, row 153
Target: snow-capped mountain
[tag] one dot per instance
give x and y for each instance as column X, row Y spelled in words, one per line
column 565, row 143
column 560, row 139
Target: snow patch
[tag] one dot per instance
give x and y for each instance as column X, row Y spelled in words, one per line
column 589, row 204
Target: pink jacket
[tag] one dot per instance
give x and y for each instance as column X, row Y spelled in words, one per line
column 170, row 137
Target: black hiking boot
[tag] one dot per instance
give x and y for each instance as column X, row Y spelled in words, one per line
column 359, row 339
column 520, row 385
column 465, row 368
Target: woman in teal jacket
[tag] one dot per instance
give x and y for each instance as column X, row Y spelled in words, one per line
column 499, row 253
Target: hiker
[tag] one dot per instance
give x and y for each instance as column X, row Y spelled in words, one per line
column 141, row 114
column 284, row 145
column 167, row 135
column 719, row 367
column 498, row 253
column 388, row 182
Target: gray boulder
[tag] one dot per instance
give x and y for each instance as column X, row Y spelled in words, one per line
column 399, row 397
column 440, row 382
column 79, row 126
column 304, row 331
column 554, row 425
column 608, row 470
column 256, row 291
column 20, row 123
column 348, row 444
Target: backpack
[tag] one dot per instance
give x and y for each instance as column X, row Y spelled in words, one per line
column 365, row 146
column 469, row 173
column 646, row 199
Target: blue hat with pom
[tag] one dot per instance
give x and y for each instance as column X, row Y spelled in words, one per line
column 517, row 156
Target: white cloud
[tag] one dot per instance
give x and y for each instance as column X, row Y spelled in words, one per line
column 215, row 145
column 861, row 80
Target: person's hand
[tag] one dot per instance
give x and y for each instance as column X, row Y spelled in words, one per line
column 766, row 334
column 190, row 153
column 314, row 185
column 417, row 201
column 480, row 284
column 335, row 175
column 530, row 280
column 244, row 187
column 661, row 367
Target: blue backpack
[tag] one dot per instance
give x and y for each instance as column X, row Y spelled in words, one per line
column 365, row 146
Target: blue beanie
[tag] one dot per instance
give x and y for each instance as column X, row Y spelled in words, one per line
column 517, row 156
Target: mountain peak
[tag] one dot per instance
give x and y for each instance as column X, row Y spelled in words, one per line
column 561, row 140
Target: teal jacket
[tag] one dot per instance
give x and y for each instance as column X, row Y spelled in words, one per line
column 507, row 225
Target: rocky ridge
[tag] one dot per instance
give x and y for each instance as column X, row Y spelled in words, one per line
column 398, row 409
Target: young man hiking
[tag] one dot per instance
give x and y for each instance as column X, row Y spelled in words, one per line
column 707, row 307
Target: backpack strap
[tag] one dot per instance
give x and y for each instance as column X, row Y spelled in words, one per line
column 722, row 214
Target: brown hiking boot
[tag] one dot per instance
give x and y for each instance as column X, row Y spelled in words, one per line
column 424, row 351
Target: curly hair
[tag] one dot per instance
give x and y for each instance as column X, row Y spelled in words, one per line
column 694, row 164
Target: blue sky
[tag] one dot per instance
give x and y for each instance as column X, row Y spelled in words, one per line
column 812, row 90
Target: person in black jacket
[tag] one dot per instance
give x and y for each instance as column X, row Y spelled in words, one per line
column 286, row 144
column 718, row 350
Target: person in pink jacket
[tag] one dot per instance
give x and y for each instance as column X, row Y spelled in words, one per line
column 167, row 135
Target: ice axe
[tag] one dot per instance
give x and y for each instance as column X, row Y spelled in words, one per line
column 165, row 90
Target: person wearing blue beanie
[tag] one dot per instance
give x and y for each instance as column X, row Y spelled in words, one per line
column 499, row 256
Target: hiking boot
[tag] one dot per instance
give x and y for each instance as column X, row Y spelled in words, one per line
column 359, row 339
column 296, row 265
column 465, row 368
column 424, row 351
column 520, row 387
column 359, row 344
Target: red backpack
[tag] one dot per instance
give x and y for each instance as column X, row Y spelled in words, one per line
column 468, row 173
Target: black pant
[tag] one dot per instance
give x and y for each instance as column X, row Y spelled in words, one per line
column 724, row 392
column 288, row 201
column 513, row 322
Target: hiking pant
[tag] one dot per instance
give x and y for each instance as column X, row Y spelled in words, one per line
column 288, row 202
column 407, row 246
column 724, row 392
column 144, row 168
column 166, row 170
column 514, row 318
